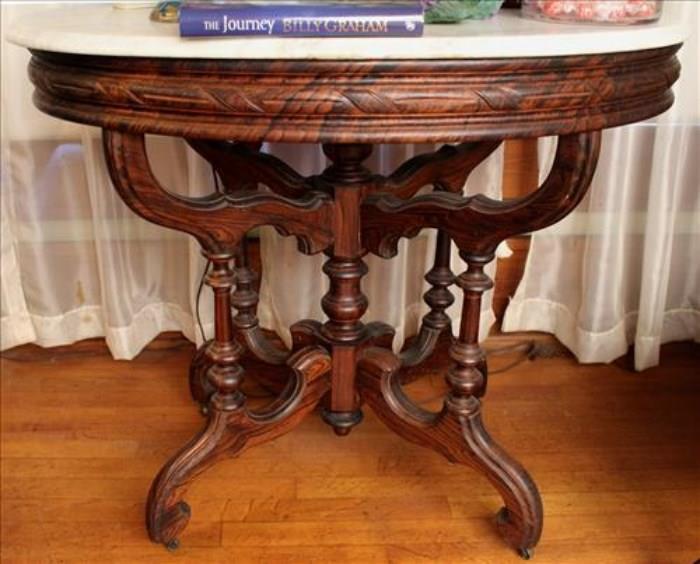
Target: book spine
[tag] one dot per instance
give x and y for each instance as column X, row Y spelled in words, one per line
column 198, row 22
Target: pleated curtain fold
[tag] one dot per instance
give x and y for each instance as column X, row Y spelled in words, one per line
column 76, row 263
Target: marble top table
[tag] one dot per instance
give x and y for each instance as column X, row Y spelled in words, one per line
column 104, row 30
column 471, row 85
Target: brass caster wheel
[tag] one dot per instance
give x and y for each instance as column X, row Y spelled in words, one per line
column 173, row 545
column 526, row 553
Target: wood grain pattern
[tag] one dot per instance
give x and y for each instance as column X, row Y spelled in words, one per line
column 364, row 101
column 78, row 458
column 347, row 211
column 230, row 429
column 478, row 224
column 215, row 221
column 457, row 432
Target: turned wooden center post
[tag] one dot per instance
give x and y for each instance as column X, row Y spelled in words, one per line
column 345, row 304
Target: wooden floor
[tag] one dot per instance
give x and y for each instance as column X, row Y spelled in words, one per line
column 616, row 456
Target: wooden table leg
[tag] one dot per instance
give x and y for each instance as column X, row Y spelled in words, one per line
column 231, row 427
column 220, row 222
column 345, row 304
column 477, row 225
column 347, row 213
column 457, row 432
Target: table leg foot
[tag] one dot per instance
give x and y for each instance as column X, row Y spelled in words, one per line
column 342, row 421
column 228, row 433
column 504, row 522
column 460, row 436
column 173, row 545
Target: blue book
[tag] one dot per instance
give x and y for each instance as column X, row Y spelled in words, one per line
column 302, row 19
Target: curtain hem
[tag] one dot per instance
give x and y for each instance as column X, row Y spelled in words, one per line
column 87, row 322
column 537, row 314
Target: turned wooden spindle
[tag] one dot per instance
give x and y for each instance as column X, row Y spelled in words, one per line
column 345, row 304
column 224, row 374
column 438, row 298
column 467, row 376
column 245, row 297
column 440, row 277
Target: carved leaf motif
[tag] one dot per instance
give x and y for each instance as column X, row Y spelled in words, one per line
column 233, row 100
column 499, row 98
column 369, row 101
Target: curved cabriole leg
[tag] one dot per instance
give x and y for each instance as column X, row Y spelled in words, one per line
column 457, row 431
column 476, row 225
column 460, row 436
column 226, row 435
column 219, row 222
column 231, row 427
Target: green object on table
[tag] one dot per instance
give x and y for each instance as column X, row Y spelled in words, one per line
column 167, row 11
column 448, row 11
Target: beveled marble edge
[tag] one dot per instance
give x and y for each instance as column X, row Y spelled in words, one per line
column 100, row 29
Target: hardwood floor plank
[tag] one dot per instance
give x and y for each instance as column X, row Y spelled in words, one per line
column 675, row 527
column 598, row 502
column 131, row 488
column 469, row 482
column 340, row 509
column 616, row 456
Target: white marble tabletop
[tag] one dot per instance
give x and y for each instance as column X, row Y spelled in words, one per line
column 101, row 29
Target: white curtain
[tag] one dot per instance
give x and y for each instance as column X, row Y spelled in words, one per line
column 76, row 263
column 624, row 269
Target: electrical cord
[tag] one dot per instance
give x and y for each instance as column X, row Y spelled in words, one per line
column 207, row 266
column 529, row 350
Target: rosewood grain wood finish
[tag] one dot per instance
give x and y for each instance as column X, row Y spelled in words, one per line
column 225, row 109
column 357, row 101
